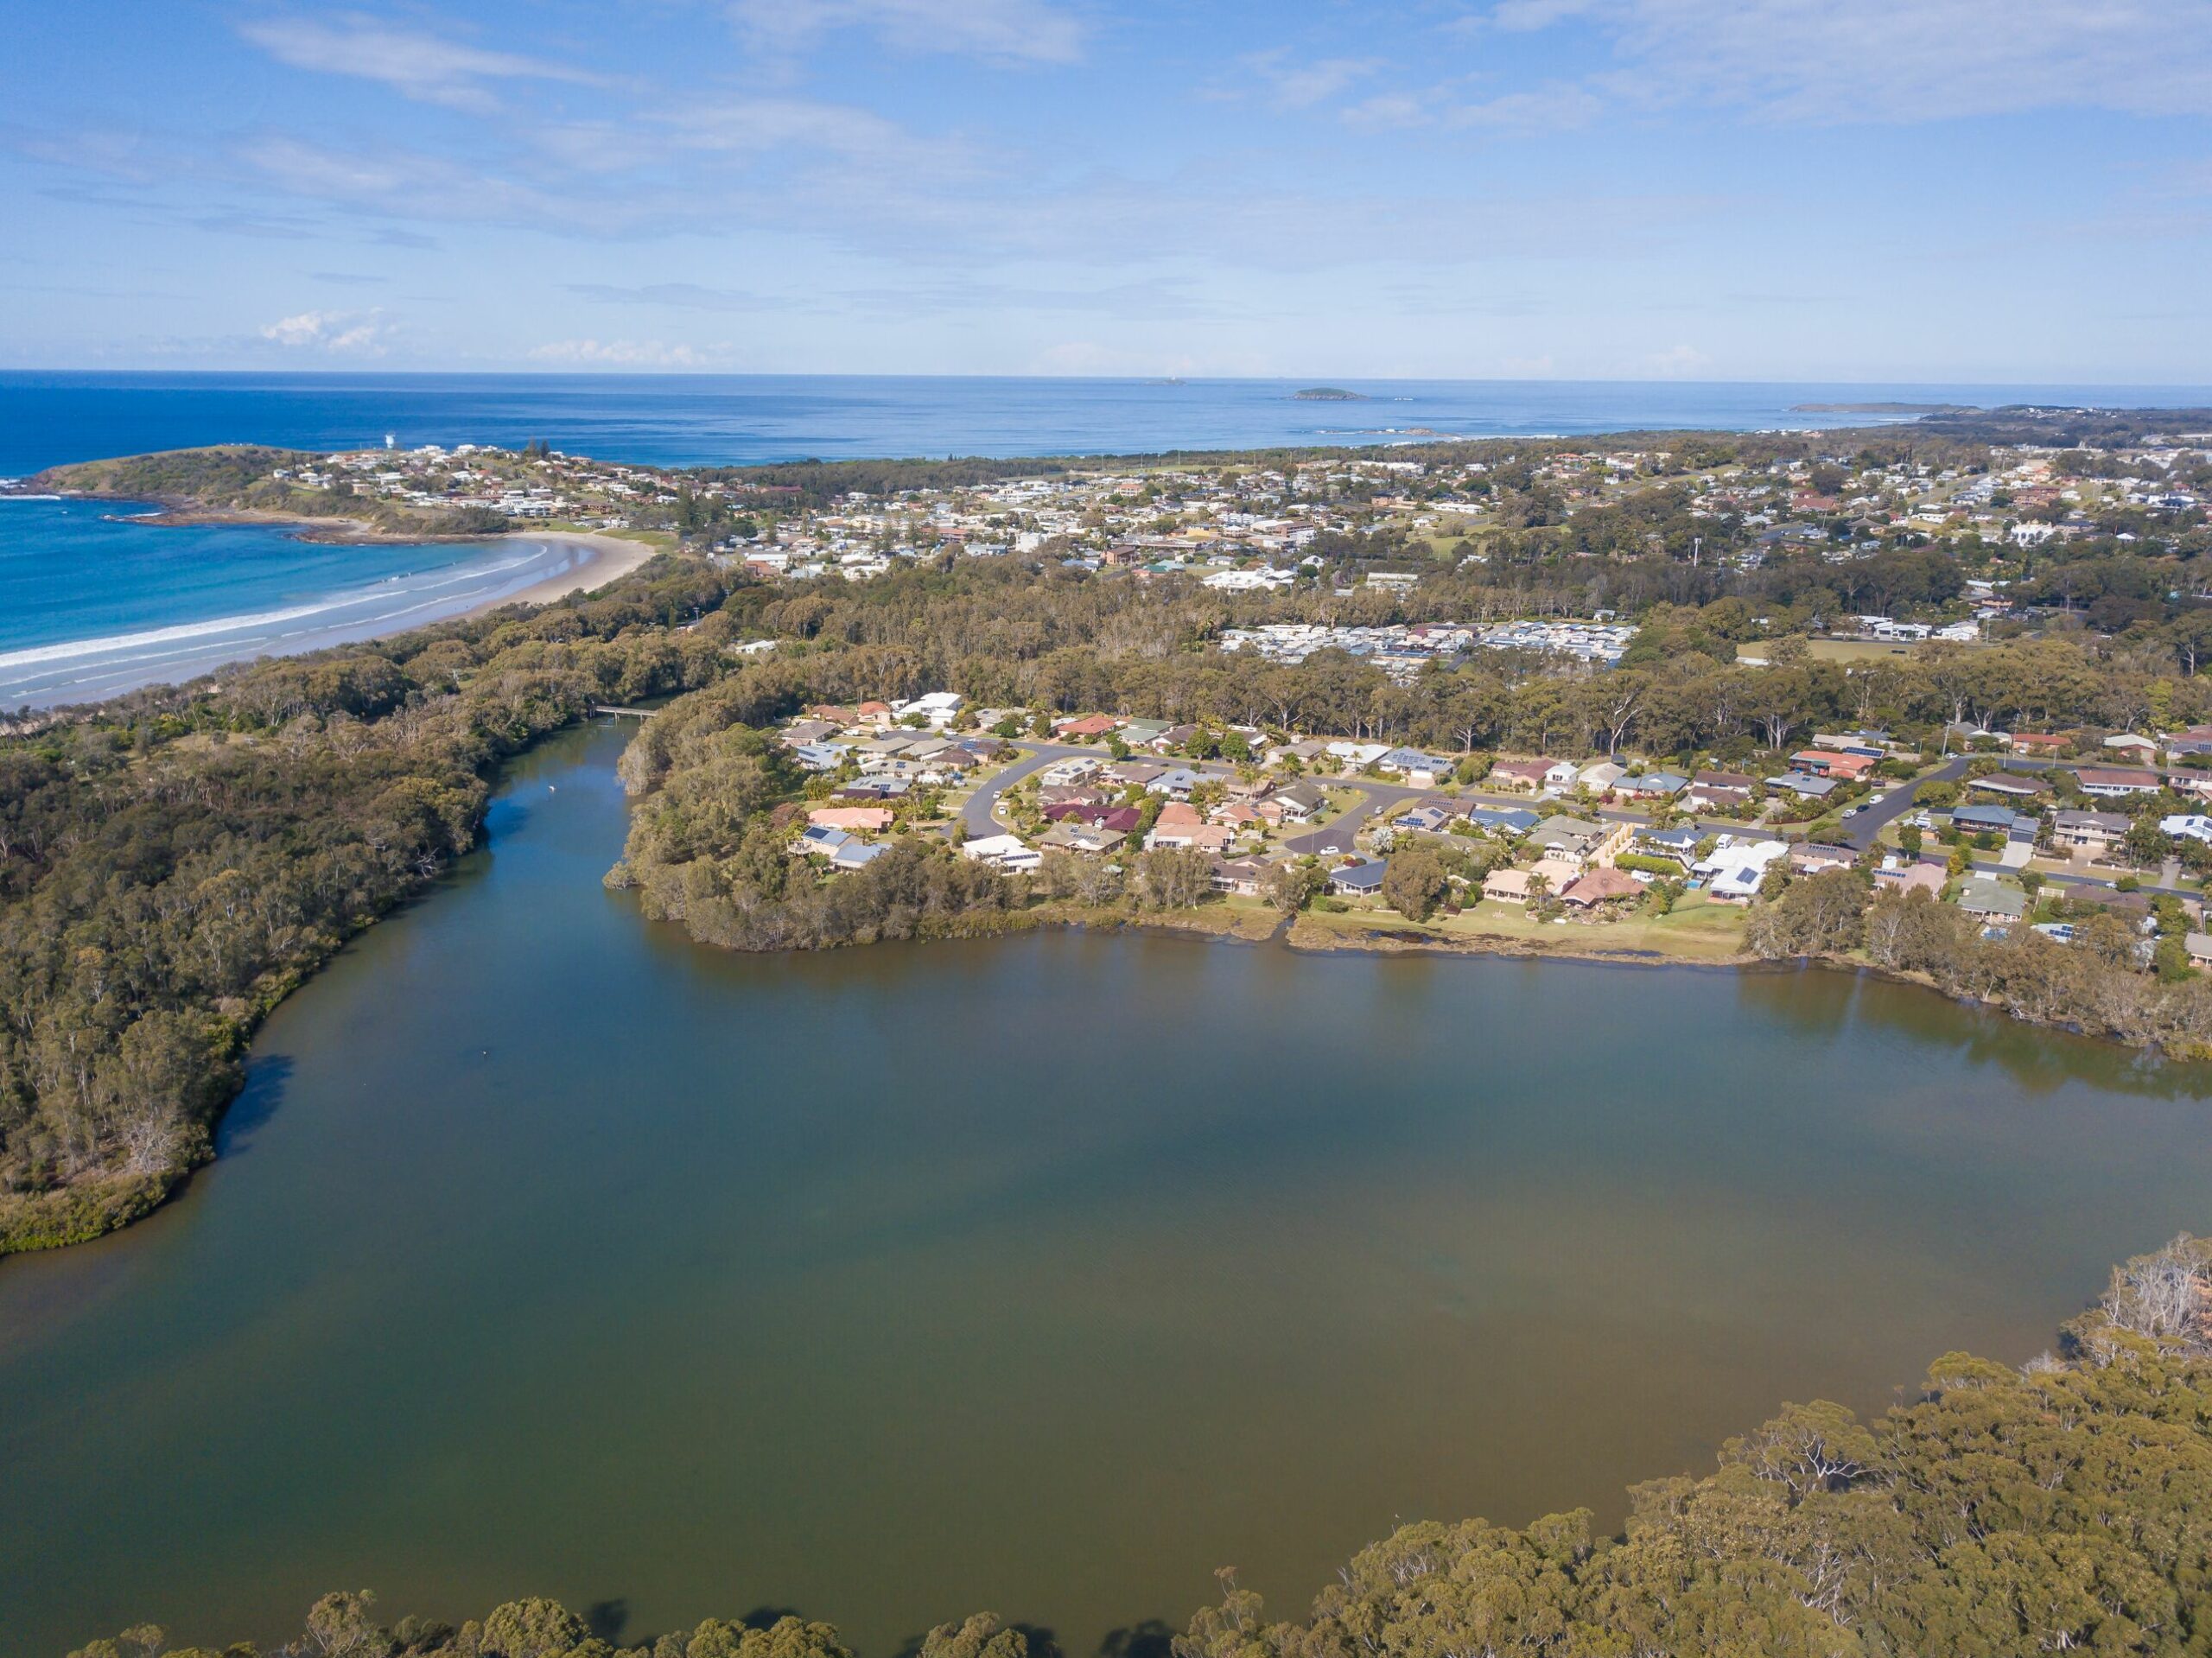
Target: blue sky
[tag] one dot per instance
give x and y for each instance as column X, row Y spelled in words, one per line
column 1993, row 190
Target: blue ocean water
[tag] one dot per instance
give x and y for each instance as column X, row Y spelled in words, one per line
column 93, row 601
column 142, row 603
column 698, row 419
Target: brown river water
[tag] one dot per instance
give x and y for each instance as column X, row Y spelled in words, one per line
column 550, row 1254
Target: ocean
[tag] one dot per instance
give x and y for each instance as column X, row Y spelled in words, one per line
column 94, row 601
column 139, row 604
column 702, row 419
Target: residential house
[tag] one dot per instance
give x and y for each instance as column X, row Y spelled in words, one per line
column 819, row 757
column 850, row 818
column 1733, row 871
column 819, row 837
column 1920, row 876
column 876, row 789
column 1513, row 821
column 1809, row 858
column 2007, row 787
column 1873, row 744
column 1420, row 770
column 1007, row 851
column 1844, row 766
column 856, row 854
column 1653, row 785
column 1086, row 727
column 2199, row 947
column 1246, row 876
column 1805, row 785
column 1574, row 838
column 1178, row 815
column 1679, row 844
column 1982, row 820
column 1557, row 873
column 1602, row 887
column 1177, row 781
column 1507, row 885
column 2193, row 826
column 1358, row 879
column 1298, row 804
column 2080, row 831
column 1601, row 775
column 2130, row 746
column 2048, row 745
column 1071, row 836
column 1718, row 791
column 1530, row 777
column 1992, row 900
column 2116, row 782
column 937, row 708
column 1423, row 819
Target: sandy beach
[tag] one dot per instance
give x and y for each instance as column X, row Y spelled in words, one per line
column 602, row 559
column 525, row 567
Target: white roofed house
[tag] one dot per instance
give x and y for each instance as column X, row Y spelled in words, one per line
column 1007, row 851
column 1734, row 871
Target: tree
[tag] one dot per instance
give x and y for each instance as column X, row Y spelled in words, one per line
column 2146, row 843
column 1292, row 885
column 1413, row 883
column 1172, row 877
column 1822, row 915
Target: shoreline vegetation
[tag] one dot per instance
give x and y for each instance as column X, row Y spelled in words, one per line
column 2057, row 1506
column 175, row 861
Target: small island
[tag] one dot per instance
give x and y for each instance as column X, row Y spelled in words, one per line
column 1327, row 394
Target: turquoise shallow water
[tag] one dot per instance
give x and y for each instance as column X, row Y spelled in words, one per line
column 551, row 1254
column 94, row 602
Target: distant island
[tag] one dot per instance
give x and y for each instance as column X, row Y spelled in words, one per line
column 1328, row 394
column 1885, row 408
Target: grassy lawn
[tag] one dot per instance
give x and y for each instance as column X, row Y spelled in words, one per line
column 1835, row 650
column 1696, row 930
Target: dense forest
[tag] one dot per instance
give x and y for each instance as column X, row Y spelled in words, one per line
column 2065, row 1506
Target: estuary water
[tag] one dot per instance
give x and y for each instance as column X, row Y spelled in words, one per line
column 550, row 1254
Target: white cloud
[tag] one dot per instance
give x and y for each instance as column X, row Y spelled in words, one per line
column 345, row 333
column 1004, row 31
column 1890, row 61
column 627, row 353
column 425, row 67
column 1555, row 106
column 1298, row 83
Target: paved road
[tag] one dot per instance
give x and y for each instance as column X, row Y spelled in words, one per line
column 1862, row 830
column 975, row 815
